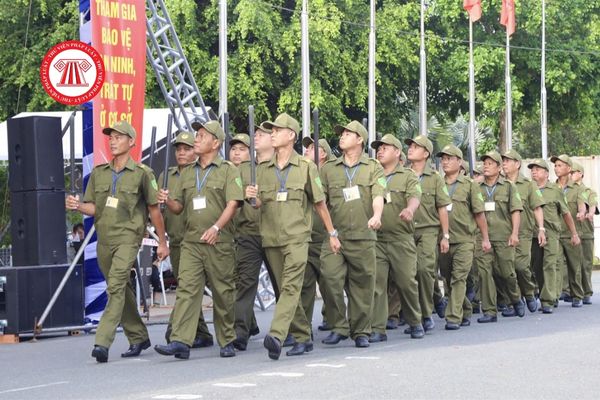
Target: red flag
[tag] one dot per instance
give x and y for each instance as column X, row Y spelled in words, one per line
column 473, row 7
column 507, row 17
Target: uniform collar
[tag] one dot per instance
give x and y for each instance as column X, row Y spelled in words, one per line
column 130, row 164
column 427, row 171
column 500, row 181
column 399, row 169
column 294, row 159
column 362, row 160
column 217, row 161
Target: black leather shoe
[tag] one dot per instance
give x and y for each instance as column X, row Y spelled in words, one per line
column 201, row 342
column 289, row 341
column 334, row 338
column 361, row 341
column 300, row 348
column 509, row 312
column 428, row 324
column 587, row 300
column 136, row 349
column 254, row 331
column 440, row 308
column 227, row 351
column 325, row 326
column 555, row 303
column 401, row 321
column 576, row 303
column 476, row 308
column 177, row 349
column 532, row 304
column 273, row 345
column 240, row 344
column 417, row 332
column 566, row 298
column 377, row 337
column 547, row 310
column 520, row 308
column 452, row 326
column 501, row 307
column 392, row 324
column 487, row 318
column 465, row 322
column 100, row 353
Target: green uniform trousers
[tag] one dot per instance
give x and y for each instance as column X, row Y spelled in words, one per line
column 352, row 269
column 570, row 273
column 523, row 267
column 394, row 304
column 288, row 263
column 455, row 266
column 499, row 262
column 312, row 275
column 587, row 247
column 202, row 263
column 426, row 240
column 202, row 329
column 396, row 259
column 115, row 263
column 545, row 264
column 473, row 279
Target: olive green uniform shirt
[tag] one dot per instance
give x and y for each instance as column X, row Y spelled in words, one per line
column 402, row 185
column 174, row 224
column 467, row 200
column 507, row 200
column 222, row 185
column 531, row 198
column 435, row 195
column 555, row 207
column 351, row 218
column 290, row 221
column 247, row 219
column 591, row 200
column 574, row 195
column 135, row 188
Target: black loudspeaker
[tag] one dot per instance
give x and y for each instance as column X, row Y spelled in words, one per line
column 26, row 291
column 38, row 228
column 35, row 154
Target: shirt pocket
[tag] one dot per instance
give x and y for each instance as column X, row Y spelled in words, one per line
column 101, row 193
column 130, row 195
column 295, row 191
column 399, row 198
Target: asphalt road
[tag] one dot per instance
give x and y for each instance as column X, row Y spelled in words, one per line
column 536, row 357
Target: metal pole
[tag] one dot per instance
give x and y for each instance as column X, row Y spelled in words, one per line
column 152, row 147
column 305, row 71
column 508, row 95
column 544, row 116
column 251, row 133
column 315, row 115
column 62, row 284
column 72, row 139
column 423, row 77
column 223, row 60
column 472, row 152
column 372, row 53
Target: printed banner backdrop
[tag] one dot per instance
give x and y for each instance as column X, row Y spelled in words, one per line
column 119, row 34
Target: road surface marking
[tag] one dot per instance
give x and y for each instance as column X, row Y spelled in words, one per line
column 33, row 387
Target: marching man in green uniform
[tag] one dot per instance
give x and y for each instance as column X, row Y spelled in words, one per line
column 287, row 188
column 532, row 214
column 175, row 226
column 312, row 275
column 574, row 195
column 503, row 207
column 396, row 250
column 355, row 186
column 209, row 193
column 119, row 196
column 431, row 220
column 466, row 210
column 545, row 260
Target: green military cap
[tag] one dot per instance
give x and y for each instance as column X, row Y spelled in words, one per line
column 307, row 141
column 539, row 162
column 213, row 127
column 263, row 128
column 564, row 158
column 422, row 141
column 387, row 139
column 512, row 154
column 283, row 121
column 465, row 166
column 121, row 127
column 478, row 168
column 577, row 167
column 240, row 138
column 494, row 155
column 353, row 126
column 450, row 150
column 184, row 138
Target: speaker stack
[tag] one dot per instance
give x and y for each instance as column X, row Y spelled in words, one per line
column 38, row 229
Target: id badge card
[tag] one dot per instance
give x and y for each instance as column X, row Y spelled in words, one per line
column 388, row 197
column 199, row 203
column 449, row 207
column 281, row 196
column 112, row 202
column 490, row 206
column 351, row 193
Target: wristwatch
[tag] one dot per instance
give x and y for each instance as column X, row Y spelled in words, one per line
column 215, row 227
column 333, row 233
column 446, row 236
